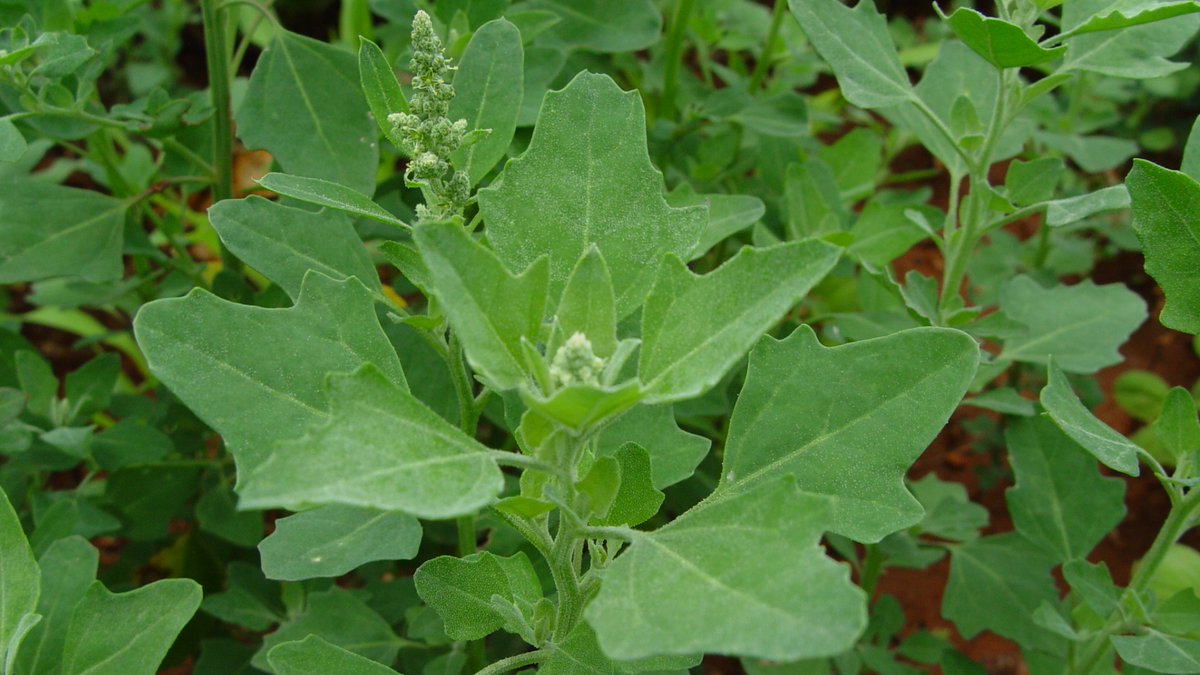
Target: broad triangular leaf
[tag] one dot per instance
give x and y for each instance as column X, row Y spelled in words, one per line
column 305, row 106
column 674, row 453
column 636, row 499
column 489, row 308
column 256, row 375
column 1060, row 502
column 128, row 633
column 55, row 231
column 1166, row 217
column 380, row 448
column 867, row 410
column 341, row 619
column 587, row 179
column 68, row 569
column 284, row 243
column 461, row 591
column 20, row 583
column 332, row 540
column 742, row 576
column 695, row 328
column 1137, row 51
column 1001, row 43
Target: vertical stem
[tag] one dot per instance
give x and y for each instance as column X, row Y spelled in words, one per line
column 679, row 19
column 764, row 59
column 216, row 54
column 872, row 566
column 468, row 418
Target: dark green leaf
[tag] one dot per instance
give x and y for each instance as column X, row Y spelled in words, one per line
column 341, row 619
column 1159, row 652
column 325, row 193
column 332, row 540
column 381, row 89
column 1165, row 204
column 52, row 231
column 1003, row 44
column 315, row 656
column 1064, row 407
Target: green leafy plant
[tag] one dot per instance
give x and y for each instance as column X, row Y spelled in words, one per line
column 626, row 373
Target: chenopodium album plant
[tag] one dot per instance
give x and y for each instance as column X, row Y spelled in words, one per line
column 577, row 311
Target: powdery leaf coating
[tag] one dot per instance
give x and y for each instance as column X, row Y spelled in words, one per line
column 52, row 231
column 460, row 590
column 128, row 633
column 341, row 619
column 1003, row 44
column 315, row 656
column 1166, row 217
column 381, row 448
column 305, row 106
column 1060, row 503
column 1137, row 51
column 674, row 453
column 858, row 47
column 284, row 243
column 587, row 179
column 1080, row 326
column 488, row 86
column 846, row 422
column 224, row 359
column 695, row 328
column 68, row 568
column 21, row 580
column 1158, row 652
column 330, row 541
column 580, row 654
column 743, row 576
column 1068, row 412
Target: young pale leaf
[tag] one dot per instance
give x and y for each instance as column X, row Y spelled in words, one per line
column 128, row 633
column 21, row 584
column 12, row 143
column 380, row 448
column 587, row 179
column 316, row 656
column 489, row 308
column 588, row 306
column 1064, row 407
column 341, row 619
column 1075, row 209
column 741, row 576
column 381, row 89
column 305, row 106
column 602, row 25
column 949, row 512
column 1166, row 205
column 68, row 568
column 461, row 591
column 580, row 406
column 695, row 328
column 636, row 499
column 580, row 654
column 53, row 231
column 487, row 93
column 1079, row 326
column 1001, row 43
column 256, row 375
column 807, row 411
column 857, row 45
column 1138, row 51
column 324, row 193
column 284, row 243
column 997, row 583
column 1060, row 503
column 674, row 453
column 330, row 541
column 1159, row 652
column 1177, row 428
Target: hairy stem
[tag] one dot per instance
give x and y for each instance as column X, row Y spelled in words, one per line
column 515, row 662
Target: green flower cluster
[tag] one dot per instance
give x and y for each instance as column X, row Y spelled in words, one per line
column 427, row 129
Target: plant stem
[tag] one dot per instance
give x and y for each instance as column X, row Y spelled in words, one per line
column 216, row 55
column 515, row 662
column 679, row 19
column 764, row 59
column 872, row 566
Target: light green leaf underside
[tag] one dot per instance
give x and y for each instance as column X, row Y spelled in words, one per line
column 1079, row 326
column 460, row 590
column 587, row 179
column 489, row 308
column 743, row 576
column 1075, row 209
column 1064, row 407
column 379, row 448
column 54, row 231
column 315, row 656
column 1159, row 652
column 1001, row 43
column 330, row 541
column 695, row 328
column 856, row 44
column 381, row 89
column 1166, row 217
column 1060, row 503
column 128, row 633
column 305, row 106
column 68, row 569
column 846, row 422
column 20, row 576
column 1139, row 51
column 488, row 87
column 1126, row 13
column 325, row 193
column 256, row 375
column 996, row 583
column 341, row 619
column 284, row 243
